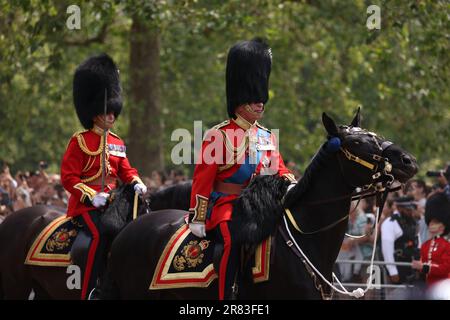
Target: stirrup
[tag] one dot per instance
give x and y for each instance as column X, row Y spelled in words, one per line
column 234, row 291
column 92, row 295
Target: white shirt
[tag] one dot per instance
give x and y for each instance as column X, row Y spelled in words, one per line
column 390, row 231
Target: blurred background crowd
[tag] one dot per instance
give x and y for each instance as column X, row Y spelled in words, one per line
column 28, row 188
column 410, row 202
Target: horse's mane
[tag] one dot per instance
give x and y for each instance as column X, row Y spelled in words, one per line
column 317, row 163
column 173, row 197
column 117, row 213
column 258, row 210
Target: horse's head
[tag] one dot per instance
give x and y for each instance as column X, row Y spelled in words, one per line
column 365, row 157
column 120, row 209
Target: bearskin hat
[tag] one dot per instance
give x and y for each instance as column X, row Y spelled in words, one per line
column 91, row 79
column 438, row 207
column 247, row 76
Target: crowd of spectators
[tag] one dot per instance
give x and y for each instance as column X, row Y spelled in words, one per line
column 28, row 188
column 358, row 247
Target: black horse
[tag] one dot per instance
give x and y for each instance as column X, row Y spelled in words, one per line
column 19, row 230
column 319, row 204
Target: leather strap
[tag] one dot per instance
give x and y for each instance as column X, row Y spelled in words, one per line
column 228, row 188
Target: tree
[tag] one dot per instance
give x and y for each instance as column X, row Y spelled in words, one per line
column 172, row 57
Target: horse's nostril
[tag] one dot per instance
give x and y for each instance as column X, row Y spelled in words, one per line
column 406, row 160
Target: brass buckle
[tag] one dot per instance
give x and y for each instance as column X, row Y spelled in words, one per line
column 377, row 157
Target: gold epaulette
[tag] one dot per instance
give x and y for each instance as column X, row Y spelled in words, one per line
column 222, row 124
column 79, row 132
column 115, row 135
column 261, row 127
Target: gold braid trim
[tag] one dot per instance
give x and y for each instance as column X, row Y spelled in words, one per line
column 230, row 147
column 85, row 191
column 201, row 207
column 226, row 166
column 262, row 127
column 89, row 164
column 85, row 149
column 115, row 135
column 99, row 172
column 237, row 152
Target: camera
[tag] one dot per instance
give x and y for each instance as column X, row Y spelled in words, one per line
column 435, row 173
column 439, row 173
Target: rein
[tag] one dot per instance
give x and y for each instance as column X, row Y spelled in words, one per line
column 381, row 168
column 380, row 187
column 135, row 205
column 380, row 203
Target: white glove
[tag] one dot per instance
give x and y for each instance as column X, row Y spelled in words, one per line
column 100, row 199
column 140, row 188
column 198, row 229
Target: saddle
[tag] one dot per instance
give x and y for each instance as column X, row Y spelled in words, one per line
column 62, row 240
column 188, row 261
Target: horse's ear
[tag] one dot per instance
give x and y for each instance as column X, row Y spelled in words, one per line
column 329, row 125
column 356, row 122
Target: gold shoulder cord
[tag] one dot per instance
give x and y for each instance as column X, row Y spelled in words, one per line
column 262, row 127
column 84, row 148
column 238, row 152
column 115, row 135
column 222, row 124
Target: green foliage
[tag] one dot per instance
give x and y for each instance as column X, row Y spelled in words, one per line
column 324, row 59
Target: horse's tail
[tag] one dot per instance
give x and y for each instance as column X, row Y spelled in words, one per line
column 109, row 289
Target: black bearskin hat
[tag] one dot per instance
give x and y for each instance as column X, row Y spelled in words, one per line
column 91, row 79
column 438, row 207
column 247, row 75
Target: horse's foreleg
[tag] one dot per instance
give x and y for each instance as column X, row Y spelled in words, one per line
column 109, row 289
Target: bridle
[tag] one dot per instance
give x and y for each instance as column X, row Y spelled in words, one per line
column 381, row 169
column 379, row 166
column 381, row 180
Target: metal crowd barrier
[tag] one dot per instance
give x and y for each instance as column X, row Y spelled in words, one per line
column 384, row 290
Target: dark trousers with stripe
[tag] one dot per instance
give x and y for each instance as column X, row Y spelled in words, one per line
column 229, row 262
column 97, row 253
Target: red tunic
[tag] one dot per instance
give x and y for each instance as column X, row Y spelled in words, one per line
column 436, row 254
column 232, row 153
column 81, row 168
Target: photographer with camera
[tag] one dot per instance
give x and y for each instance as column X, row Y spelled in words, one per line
column 443, row 181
